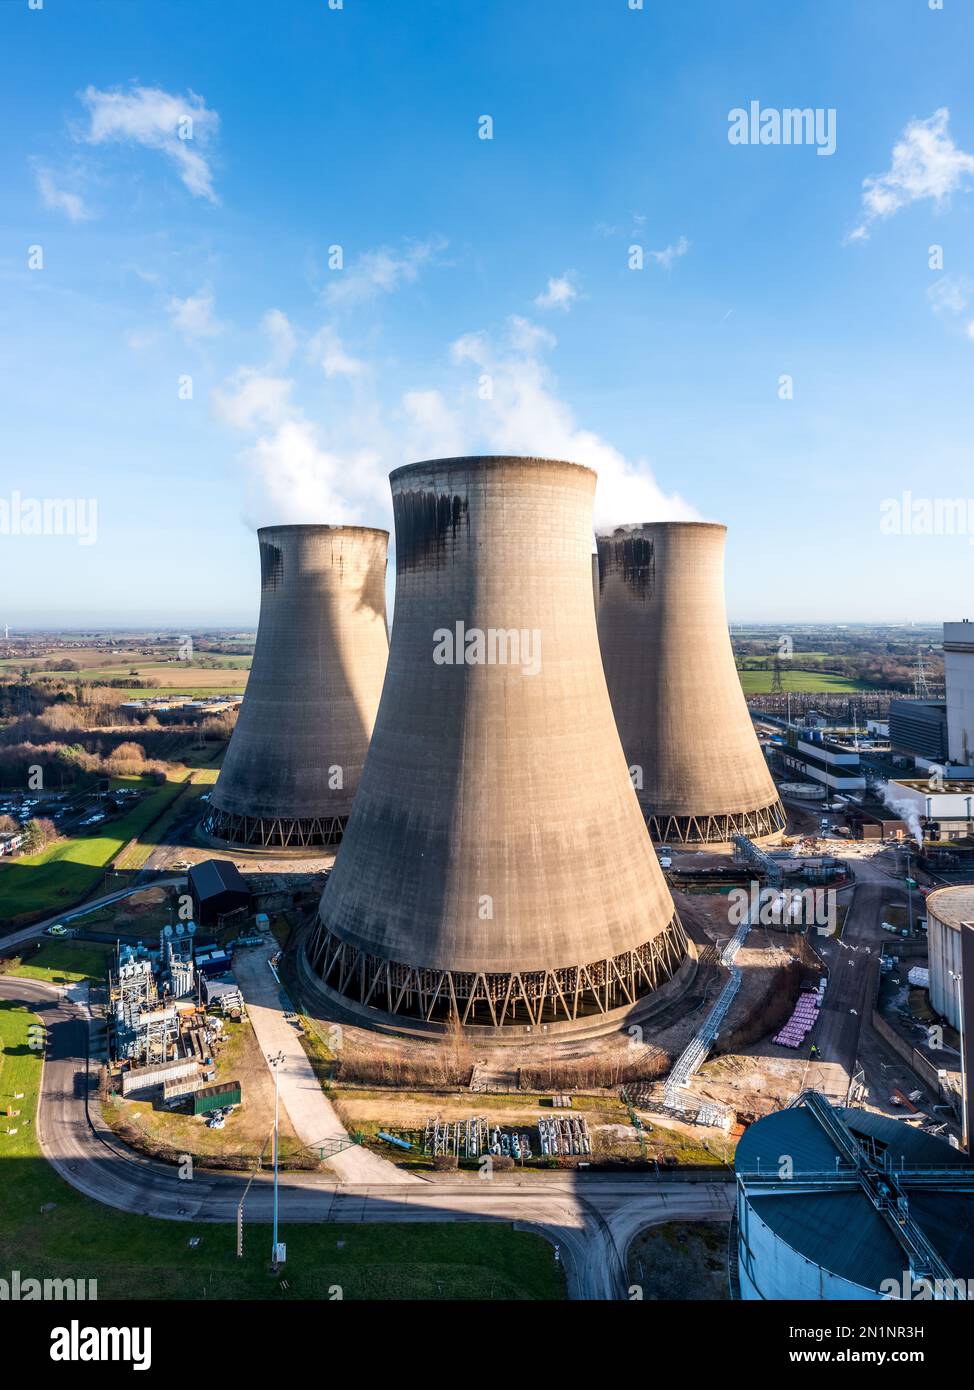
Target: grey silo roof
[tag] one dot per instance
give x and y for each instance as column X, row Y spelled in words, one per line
column 842, row 1231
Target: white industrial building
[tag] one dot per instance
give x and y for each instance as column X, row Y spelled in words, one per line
column 945, row 806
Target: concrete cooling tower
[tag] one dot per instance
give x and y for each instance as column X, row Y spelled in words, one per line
column 694, row 757
column 496, row 868
column 296, row 755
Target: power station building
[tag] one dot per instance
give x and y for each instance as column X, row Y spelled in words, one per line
column 696, row 763
column 837, row 1203
column 959, row 680
column 297, row 752
column 495, row 868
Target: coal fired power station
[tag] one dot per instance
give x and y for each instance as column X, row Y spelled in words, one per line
column 496, row 869
column 297, row 752
column 693, row 755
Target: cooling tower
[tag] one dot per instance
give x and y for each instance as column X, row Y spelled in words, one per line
column 496, row 867
column 693, row 754
column 296, row 754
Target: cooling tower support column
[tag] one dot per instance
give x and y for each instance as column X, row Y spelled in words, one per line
column 496, row 868
column 694, row 757
column 297, row 752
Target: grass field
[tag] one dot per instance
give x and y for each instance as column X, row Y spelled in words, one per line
column 61, row 962
column 809, row 682
column 64, row 873
column 47, row 1230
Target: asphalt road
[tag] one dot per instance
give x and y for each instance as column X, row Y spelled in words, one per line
column 838, row 1030
column 590, row 1217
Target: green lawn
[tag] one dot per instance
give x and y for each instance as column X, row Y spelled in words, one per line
column 63, row 874
column 61, row 961
column 810, row 682
column 47, row 1230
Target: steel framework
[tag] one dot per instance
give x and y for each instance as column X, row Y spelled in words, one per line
column 508, row 999
column 689, row 830
column 279, row 833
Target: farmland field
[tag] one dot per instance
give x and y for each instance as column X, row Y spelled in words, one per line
column 812, row 682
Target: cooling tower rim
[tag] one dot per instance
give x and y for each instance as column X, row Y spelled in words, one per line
column 329, row 528
column 635, row 527
column 486, row 461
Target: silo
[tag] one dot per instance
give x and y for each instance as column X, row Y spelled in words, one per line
column 495, row 868
column 699, row 772
column 948, row 909
column 297, row 752
column 836, row 1204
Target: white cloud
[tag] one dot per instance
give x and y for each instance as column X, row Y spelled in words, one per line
column 522, row 414
column 925, row 163
column 293, row 479
column 71, row 204
column 277, row 326
column 378, row 272
column 669, row 254
column 436, row 431
column 949, row 294
column 250, row 400
column 559, row 293
column 179, row 127
column 326, row 348
column 194, row 316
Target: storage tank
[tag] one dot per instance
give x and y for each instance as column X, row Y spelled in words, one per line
column 692, row 750
column 947, row 910
column 495, row 867
column 808, row 1227
column 297, row 752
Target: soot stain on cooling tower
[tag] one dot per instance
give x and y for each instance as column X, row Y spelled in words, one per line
column 271, row 565
column 636, row 557
column 427, row 524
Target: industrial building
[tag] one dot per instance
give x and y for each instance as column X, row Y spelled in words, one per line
column 949, row 911
column 832, row 765
column 837, row 1203
column 218, row 889
column 496, row 867
column 918, row 728
column 959, row 678
column 942, row 808
column 694, row 757
column 296, row 755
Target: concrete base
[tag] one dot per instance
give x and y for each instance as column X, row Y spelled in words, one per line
column 337, row 1008
column 275, row 852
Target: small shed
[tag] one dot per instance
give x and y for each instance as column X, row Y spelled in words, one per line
column 217, row 888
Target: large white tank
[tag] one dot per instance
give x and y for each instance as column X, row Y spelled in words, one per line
column 947, row 909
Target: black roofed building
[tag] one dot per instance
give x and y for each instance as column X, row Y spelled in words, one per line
column 217, row 888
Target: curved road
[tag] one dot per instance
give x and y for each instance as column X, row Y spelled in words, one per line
column 592, row 1218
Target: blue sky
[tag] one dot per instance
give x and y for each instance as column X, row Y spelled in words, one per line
column 468, row 261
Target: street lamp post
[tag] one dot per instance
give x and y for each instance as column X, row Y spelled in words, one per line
column 275, row 1062
column 957, row 977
